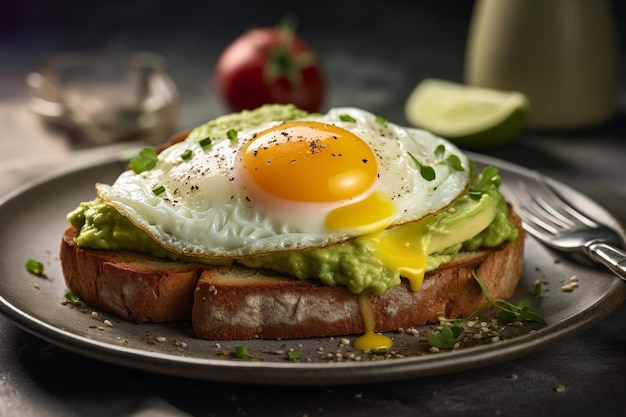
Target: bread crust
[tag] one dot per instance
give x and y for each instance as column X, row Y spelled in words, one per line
column 132, row 286
column 234, row 302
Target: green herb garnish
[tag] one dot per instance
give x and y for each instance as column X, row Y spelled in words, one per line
column 440, row 151
column 159, row 190
column 294, row 355
column 475, row 194
column 186, row 155
column 241, row 352
column 71, row 298
column 347, row 118
column 381, row 120
column 145, row 161
column 453, row 162
column 428, row 173
column 205, row 142
column 34, row 267
column 447, row 336
column 232, row 134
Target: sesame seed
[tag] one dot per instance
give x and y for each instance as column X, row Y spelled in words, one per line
column 560, row 388
column 108, row 323
column 94, row 315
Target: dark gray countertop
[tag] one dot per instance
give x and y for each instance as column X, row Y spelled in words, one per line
column 373, row 55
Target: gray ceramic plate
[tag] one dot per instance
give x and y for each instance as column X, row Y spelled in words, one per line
column 33, row 220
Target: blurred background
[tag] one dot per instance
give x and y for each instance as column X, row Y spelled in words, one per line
column 372, row 53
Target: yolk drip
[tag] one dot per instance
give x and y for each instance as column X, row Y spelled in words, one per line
column 404, row 249
column 310, row 162
column 370, row 341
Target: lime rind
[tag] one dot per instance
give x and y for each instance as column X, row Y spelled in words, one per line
column 467, row 115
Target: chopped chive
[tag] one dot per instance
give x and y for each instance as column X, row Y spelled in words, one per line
column 347, row 118
column 205, row 142
column 186, row 155
column 241, row 352
column 294, row 355
column 145, row 161
column 475, row 194
column 232, row 134
column 159, row 190
column 34, row 267
column 71, row 298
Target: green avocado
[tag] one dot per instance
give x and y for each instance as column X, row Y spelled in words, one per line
column 477, row 219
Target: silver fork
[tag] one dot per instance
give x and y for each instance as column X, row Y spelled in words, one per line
column 557, row 223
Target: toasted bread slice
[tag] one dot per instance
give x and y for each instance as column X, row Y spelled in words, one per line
column 130, row 285
column 235, row 302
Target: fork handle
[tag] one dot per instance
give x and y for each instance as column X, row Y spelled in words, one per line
column 610, row 256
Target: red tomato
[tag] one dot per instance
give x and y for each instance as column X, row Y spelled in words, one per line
column 269, row 65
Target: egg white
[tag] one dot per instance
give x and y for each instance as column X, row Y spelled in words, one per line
column 204, row 212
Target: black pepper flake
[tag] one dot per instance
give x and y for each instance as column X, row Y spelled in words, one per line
column 364, row 161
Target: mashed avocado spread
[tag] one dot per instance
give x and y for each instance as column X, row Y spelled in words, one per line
column 350, row 264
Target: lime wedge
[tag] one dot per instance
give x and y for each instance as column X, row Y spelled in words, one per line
column 467, row 115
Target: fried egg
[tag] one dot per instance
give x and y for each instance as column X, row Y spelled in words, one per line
column 289, row 185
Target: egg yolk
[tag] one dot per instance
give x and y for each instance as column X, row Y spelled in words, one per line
column 314, row 162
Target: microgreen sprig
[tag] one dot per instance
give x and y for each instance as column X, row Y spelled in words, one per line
column 446, row 338
column 145, row 161
column 427, row 172
column 452, row 161
column 71, row 298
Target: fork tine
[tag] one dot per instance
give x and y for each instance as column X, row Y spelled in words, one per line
column 541, row 207
column 559, row 207
column 535, row 223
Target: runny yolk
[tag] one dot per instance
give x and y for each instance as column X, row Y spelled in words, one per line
column 310, row 162
column 369, row 341
column 404, row 249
